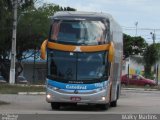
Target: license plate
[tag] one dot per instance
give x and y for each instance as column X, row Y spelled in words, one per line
column 75, row 98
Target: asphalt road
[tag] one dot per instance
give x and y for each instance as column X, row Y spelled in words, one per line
column 130, row 102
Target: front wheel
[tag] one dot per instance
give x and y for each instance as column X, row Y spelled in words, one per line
column 113, row 103
column 55, row 106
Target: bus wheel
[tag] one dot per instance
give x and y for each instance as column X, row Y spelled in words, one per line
column 55, row 106
column 104, row 106
column 113, row 103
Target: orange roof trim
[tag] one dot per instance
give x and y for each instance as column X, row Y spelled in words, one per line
column 72, row 48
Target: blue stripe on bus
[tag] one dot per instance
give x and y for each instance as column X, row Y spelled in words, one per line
column 77, row 86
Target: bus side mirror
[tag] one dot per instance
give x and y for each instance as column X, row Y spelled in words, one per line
column 43, row 49
column 111, row 52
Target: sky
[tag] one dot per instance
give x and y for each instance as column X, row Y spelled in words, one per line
column 125, row 12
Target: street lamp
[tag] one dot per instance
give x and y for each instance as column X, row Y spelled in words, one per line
column 153, row 36
column 136, row 24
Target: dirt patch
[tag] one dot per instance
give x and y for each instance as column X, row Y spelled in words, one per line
column 3, row 103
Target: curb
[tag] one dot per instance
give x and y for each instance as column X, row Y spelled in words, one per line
column 31, row 93
column 140, row 89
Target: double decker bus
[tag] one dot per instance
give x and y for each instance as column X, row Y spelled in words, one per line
column 84, row 57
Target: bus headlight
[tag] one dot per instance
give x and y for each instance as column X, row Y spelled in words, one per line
column 48, row 96
column 103, row 98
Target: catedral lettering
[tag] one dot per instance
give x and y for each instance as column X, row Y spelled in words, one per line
column 84, row 52
column 76, row 87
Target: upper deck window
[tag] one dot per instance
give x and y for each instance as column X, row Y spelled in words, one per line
column 79, row 32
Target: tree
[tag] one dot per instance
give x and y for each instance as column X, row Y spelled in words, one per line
column 68, row 9
column 32, row 28
column 133, row 45
column 6, row 28
column 35, row 22
column 150, row 57
column 6, row 18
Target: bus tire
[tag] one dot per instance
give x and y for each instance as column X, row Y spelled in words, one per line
column 113, row 103
column 55, row 106
column 104, row 106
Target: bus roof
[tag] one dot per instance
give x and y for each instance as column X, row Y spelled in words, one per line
column 81, row 15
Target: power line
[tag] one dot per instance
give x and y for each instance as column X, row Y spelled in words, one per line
column 134, row 28
column 152, row 33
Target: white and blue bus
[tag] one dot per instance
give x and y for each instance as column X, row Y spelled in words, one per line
column 84, row 59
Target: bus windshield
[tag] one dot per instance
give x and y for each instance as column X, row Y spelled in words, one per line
column 70, row 66
column 79, row 32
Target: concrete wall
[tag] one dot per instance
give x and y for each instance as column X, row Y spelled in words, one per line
column 134, row 68
column 35, row 74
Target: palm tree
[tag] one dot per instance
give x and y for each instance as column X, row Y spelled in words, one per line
column 151, row 57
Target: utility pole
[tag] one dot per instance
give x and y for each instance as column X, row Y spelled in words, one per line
column 157, row 71
column 156, row 66
column 13, row 49
column 153, row 36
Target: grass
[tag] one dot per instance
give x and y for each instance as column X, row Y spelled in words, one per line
column 14, row 89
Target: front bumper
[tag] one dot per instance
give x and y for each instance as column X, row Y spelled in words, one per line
column 92, row 97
